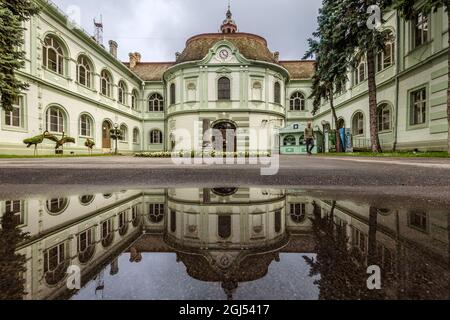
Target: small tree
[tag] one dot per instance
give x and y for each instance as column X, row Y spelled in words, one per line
column 409, row 11
column 116, row 134
column 12, row 15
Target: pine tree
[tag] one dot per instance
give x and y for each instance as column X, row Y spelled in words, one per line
column 12, row 15
column 409, row 9
column 363, row 41
column 328, row 46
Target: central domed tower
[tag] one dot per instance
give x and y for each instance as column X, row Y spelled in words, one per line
column 228, row 25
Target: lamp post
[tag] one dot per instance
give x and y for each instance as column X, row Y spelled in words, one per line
column 116, row 137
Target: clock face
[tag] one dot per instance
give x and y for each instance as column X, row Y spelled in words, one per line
column 224, row 54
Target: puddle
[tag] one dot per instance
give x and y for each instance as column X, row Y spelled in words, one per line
column 223, row 243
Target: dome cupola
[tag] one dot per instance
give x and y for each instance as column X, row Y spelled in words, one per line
column 228, row 25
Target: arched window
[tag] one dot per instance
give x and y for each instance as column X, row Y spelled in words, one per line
column 298, row 102
column 55, row 120
column 384, row 117
column 297, row 211
column 224, row 89
column 56, row 261
column 123, row 223
column 173, row 94
column 84, row 71
column 86, row 126
column 156, row 103
column 107, row 232
column 136, row 136
column 124, row 130
column 358, row 124
column 361, row 71
column 289, row 141
column 386, row 57
column 122, row 93
column 106, row 83
column 86, row 245
column 56, row 205
column 156, row 212
column 224, row 227
column 277, row 93
column 156, row 137
column 53, row 55
column 134, row 99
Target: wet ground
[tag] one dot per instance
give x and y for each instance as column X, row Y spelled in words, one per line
column 222, row 243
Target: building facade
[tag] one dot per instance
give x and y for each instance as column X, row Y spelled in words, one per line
column 227, row 81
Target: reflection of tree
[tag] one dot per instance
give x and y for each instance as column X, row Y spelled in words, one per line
column 341, row 269
column 12, row 264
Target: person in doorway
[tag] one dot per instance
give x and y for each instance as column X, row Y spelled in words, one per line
column 309, row 138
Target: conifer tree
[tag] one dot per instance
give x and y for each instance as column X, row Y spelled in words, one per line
column 13, row 13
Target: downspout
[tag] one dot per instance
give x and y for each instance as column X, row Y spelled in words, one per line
column 397, row 80
column 143, row 117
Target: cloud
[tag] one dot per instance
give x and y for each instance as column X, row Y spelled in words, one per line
column 159, row 28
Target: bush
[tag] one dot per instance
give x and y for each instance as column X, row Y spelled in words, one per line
column 200, row 154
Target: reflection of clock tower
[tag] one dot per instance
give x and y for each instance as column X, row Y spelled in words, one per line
column 229, row 26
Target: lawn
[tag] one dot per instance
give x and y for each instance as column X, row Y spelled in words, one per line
column 390, row 154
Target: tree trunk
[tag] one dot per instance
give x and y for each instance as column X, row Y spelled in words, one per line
column 374, row 139
column 372, row 258
column 339, row 143
column 448, row 89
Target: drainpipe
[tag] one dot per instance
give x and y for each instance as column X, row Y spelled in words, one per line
column 397, row 80
column 142, row 105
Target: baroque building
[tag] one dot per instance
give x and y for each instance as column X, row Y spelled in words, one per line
column 228, row 81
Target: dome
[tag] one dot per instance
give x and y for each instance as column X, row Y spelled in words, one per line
column 251, row 46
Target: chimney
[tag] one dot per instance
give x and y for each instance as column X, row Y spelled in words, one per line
column 113, row 48
column 138, row 57
column 133, row 60
column 276, row 56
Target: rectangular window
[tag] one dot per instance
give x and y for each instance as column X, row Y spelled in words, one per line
column 421, row 29
column 418, row 220
column 418, row 107
column 14, row 118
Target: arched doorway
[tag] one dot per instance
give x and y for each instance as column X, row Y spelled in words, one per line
column 229, row 139
column 106, row 135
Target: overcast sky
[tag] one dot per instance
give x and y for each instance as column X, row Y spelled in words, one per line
column 159, row 28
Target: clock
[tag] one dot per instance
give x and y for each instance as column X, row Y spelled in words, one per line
column 224, row 54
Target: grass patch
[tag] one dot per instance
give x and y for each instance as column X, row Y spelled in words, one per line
column 7, row 156
column 390, row 154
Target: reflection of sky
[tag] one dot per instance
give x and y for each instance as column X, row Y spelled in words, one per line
column 159, row 276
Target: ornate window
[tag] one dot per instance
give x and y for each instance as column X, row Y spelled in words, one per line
column 156, row 103
column 298, row 102
column 86, row 245
column 136, row 136
column 56, row 262
column 134, row 100
column 421, row 29
column 418, row 112
column 53, row 55
column 56, row 206
column 107, row 232
column 384, row 117
column 15, row 118
column 224, row 89
column 386, row 57
column 358, row 124
column 156, row 212
column 257, row 91
column 122, row 93
column 297, row 211
column 84, row 71
column 124, row 130
column 289, row 141
column 156, row 137
column 106, row 83
column 85, row 125
column 277, row 92
column 55, row 120
column 173, row 94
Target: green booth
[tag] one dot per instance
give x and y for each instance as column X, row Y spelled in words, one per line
column 292, row 140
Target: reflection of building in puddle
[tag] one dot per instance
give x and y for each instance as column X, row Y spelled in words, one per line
column 226, row 235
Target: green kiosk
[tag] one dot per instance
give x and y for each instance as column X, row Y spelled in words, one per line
column 292, row 140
